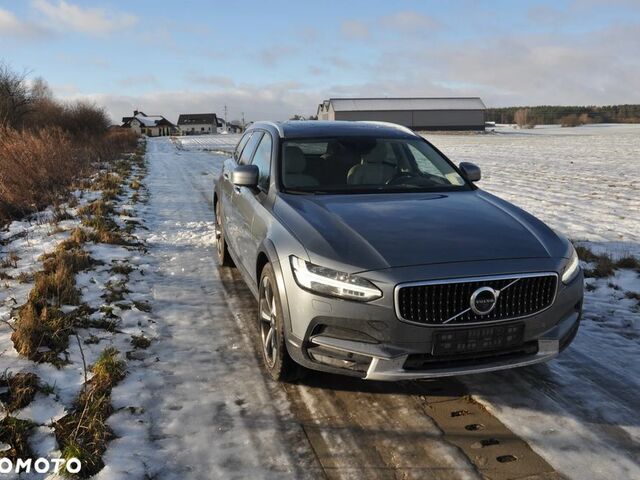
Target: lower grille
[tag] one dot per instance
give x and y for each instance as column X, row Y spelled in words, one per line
column 425, row 361
column 448, row 302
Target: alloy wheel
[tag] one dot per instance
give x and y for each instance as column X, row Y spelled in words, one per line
column 268, row 315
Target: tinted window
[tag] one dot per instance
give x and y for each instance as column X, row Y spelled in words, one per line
column 250, row 147
column 262, row 159
column 243, row 141
column 366, row 164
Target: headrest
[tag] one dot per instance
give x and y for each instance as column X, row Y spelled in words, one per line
column 333, row 148
column 377, row 155
column 294, row 160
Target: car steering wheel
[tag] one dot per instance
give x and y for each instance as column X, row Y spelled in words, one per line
column 396, row 179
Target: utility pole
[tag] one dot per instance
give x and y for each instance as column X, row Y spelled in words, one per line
column 225, row 119
column 243, row 124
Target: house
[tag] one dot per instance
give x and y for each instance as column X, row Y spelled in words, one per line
column 435, row 113
column 150, row 125
column 222, row 125
column 198, row 123
column 233, row 127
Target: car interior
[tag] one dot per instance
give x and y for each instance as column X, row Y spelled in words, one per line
column 350, row 163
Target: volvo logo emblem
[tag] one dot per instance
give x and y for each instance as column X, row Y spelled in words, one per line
column 484, row 300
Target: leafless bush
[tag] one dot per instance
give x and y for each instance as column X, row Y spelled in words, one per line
column 15, row 97
column 574, row 120
column 524, row 119
column 34, row 168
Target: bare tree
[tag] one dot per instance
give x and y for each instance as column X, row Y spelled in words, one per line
column 15, row 97
column 40, row 90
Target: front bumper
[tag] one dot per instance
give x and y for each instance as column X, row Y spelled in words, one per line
column 369, row 341
column 387, row 363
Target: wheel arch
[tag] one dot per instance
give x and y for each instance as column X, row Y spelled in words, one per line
column 267, row 254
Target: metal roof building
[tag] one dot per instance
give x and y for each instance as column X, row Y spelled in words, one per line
column 454, row 113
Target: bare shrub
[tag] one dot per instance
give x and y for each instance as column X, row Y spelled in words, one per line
column 570, row 120
column 34, row 169
column 524, row 119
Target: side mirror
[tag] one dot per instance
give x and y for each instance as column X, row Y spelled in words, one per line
column 471, row 171
column 245, row 176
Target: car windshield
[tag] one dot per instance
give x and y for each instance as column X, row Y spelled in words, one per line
column 363, row 165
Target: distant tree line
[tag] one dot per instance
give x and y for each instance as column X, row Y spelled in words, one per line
column 567, row 116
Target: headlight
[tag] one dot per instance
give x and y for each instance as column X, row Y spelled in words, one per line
column 572, row 268
column 326, row 281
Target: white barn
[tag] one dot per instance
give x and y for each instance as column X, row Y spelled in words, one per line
column 435, row 113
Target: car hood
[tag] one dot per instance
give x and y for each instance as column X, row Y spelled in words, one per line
column 377, row 231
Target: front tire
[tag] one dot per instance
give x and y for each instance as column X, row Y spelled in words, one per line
column 271, row 325
column 224, row 258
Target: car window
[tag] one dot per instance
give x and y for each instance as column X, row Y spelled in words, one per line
column 243, row 141
column 425, row 163
column 365, row 164
column 250, row 147
column 262, row 159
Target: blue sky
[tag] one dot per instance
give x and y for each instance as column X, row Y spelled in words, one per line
column 274, row 59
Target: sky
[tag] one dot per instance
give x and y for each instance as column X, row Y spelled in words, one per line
column 273, row 59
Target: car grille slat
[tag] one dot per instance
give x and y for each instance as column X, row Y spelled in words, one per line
column 434, row 303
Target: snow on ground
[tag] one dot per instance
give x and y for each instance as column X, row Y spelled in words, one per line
column 29, row 240
column 197, row 405
column 215, row 415
column 580, row 411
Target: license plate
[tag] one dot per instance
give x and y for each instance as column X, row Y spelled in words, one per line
column 479, row 339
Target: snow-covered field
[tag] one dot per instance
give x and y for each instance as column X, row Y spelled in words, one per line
column 195, row 404
column 581, row 411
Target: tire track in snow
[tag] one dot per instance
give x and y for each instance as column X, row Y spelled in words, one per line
column 213, row 415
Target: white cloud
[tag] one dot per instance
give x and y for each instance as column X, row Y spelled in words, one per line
column 407, row 20
column 94, row 21
column 209, row 80
column 266, row 102
column 10, row 25
column 143, row 80
column 355, row 30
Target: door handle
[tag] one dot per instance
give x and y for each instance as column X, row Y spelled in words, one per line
column 225, row 175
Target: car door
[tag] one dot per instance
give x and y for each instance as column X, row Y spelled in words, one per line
column 226, row 187
column 249, row 204
column 236, row 226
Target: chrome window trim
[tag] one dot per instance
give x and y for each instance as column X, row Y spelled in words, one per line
column 396, row 293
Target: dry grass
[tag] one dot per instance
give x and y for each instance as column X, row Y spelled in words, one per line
column 38, row 168
column 42, row 330
column 42, row 333
column 121, row 268
column 84, row 433
column 16, row 433
column 604, row 266
column 140, row 341
column 10, row 260
column 22, row 387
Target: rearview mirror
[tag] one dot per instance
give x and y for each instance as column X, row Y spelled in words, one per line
column 471, row 171
column 245, row 176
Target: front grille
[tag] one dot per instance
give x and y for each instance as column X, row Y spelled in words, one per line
column 437, row 303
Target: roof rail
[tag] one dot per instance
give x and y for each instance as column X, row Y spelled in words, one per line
column 389, row 124
column 275, row 125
